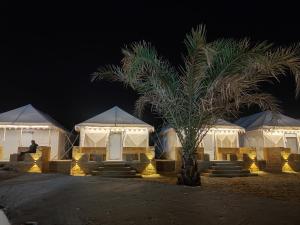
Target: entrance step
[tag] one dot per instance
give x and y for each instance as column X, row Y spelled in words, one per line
column 241, row 171
column 114, row 163
column 116, row 169
column 227, row 169
column 229, row 175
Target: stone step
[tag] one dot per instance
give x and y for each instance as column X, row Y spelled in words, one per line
column 115, row 172
column 226, row 161
column 118, row 174
column 229, row 175
column 225, row 164
column 114, row 168
column 229, row 171
column 226, row 167
column 114, row 164
column 123, row 176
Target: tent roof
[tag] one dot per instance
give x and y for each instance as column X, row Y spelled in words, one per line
column 220, row 123
column 114, row 117
column 268, row 119
column 225, row 123
column 27, row 115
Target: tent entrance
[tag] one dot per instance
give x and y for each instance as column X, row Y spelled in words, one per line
column 114, row 150
column 291, row 142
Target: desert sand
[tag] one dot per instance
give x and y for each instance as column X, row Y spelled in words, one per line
column 65, row 200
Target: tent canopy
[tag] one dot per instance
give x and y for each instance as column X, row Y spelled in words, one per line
column 220, row 123
column 267, row 119
column 27, row 115
column 115, row 117
column 225, row 124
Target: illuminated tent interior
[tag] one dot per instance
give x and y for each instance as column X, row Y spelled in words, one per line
column 19, row 126
column 270, row 129
column 222, row 135
column 114, row 129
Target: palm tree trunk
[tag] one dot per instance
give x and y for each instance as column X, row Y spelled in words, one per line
column 189, row 174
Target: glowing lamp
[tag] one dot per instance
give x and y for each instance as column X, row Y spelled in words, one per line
column 285, row 155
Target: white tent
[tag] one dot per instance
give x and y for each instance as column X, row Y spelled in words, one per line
column 269, row 129
column 19, row 126
column 113, row 130
column 222, row 134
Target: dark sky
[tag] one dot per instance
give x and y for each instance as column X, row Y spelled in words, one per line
column 48, row 51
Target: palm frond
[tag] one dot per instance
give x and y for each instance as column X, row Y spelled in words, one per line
column 216, row 80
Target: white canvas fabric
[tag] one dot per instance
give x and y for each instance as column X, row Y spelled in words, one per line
column 222, row 134
column 114, row 117
column 269, row 129
column 254, row 139
column 209, row 146
column 27, row 115
column 95, row 139
column 226, row 140
column 267, row 119
column 223, row 124
column 94, row 132
column 136, row 140
column 19, row 126
column 292, row 143
column 272, row 140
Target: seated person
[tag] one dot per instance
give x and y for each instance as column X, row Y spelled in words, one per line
column 32, row 149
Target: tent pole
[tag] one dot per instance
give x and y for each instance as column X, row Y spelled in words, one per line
column 215, row 145
column 21, row 138
column 4, row 134
column 49, row 137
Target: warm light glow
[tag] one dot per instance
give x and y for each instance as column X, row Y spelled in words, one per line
column 116, row 129
column 294, row 130
column 287, row 168
column 253, row 168
column 24, row 126
column 225, row 130
column 77, row 171
column 36, row 156
column 252, row 154
column 77, row 156
column 150, row 155
column 156, row 175
column 35, row 169
column 285, row 155
column 150, row 169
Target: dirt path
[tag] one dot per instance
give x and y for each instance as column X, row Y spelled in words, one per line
column 58, row 199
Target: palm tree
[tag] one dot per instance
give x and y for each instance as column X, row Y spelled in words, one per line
column 216, row 80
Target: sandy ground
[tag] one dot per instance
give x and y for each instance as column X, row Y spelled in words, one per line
column 59, row 199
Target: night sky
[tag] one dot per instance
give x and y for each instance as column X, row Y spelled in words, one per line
column 49, row 51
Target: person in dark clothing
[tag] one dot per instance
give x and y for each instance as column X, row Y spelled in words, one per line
column 32, row 149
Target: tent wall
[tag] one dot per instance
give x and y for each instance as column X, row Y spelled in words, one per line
column 169, row 142
column 261, row 139
column 209, row 145
column 61, row 144
column 131, row 137
column 254, row 139
column 11, row 142
column 54, row 143
column 212, row 140
column 11, row 139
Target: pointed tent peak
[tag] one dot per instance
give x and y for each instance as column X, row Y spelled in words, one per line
column 225, row 123
column 115, row 117
column 27, row 115
column 267, row 119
